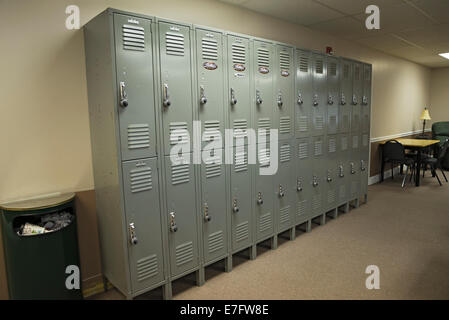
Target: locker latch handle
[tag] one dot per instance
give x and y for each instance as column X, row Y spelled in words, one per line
column 341, row 172
column 166, row 96
column 123, row 95
column 352, row 168
column 132, row 234
column 300, row 101
column 329, row 178
column 315, row 100
column 173, row 226
column 258, row 98
column 259, row 198
column 330, row 100
column 281, row 192
column 207, row 217
column 343, row 99
column 298, row 186
column 365, row 101
column 233, row 99
column 362, row 165
column 280, row 103
column 235, row 207
column 354, row 100
column 315, row 182
column 203, row 99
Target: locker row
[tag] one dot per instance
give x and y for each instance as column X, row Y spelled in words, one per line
column 149, row 79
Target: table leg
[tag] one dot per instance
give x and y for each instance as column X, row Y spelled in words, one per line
column 418, row 167
column 382, row 167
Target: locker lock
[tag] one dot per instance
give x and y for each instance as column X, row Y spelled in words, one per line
column 280, row 103
column 343, row 99
column 233, row 99
column 352, row 168
column 173, row 226
column 362, row 165
column 329, row 178
column 166, row 96
column 342, row 173
column 132, row 234
column 300, row 101
column 330, row 100
column 258, row 98
column 235, row 208
column 354, row 100
column 203, row 99
column 298, row 185
column 365, row 100
column 315, row 100
column 207, row 217
column 259, row 198
column 315, row 181
column 123, row 95
column 281, row 192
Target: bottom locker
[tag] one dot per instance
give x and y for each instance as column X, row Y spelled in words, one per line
column 303, row 177
column 141, row 190
column 318, row 174
column 343, row 169
column 364, row 165
column 182, row 216
column 331, row 174
column 354, row 167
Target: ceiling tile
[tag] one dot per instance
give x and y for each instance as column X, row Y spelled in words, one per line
column 437, row 9
column 434, row 38
column 351, row 7
column 383, row 42
column 346, row 27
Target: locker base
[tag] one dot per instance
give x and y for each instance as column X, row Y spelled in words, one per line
column 200, row 276
column 167, row 293
column 333, row 213
column 320, row 220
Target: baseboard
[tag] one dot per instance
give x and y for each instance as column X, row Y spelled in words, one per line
column 398, row 135
column 93, row 285
column 387, row 174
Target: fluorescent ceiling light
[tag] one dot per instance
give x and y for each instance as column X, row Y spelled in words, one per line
column 445, row 55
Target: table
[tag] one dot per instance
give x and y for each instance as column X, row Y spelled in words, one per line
column 412, row 144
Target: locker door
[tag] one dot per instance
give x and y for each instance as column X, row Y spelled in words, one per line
column 182, row 216
column 332, row 172
column 285, row 187
column 318, row 173
column 343, row 168
column 319, row 99
column 141, row 190
column 354, row 166
column 134, row 63
column 284, row 86
column 357, row 92
column 345, row 106
column 303, row 178
column 263, row 198
column 239, row 70
column 303, row 93
column 364, row 164
column 176, row 83
column 263, row 57
column 210, row 87
column 213, row 210
column 333, row 82
column 366, row 99
column 241, row 204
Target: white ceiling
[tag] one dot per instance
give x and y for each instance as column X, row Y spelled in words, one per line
column 416, row 30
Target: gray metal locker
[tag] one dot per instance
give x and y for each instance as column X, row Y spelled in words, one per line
column 182, row 217
column 354, row 167
column 366, row 115
column 210, row 83
column 239, row 95
column 319, row 99
column 345, row 106
column 343, row 168
column 303, row 178
column 134, row 58
column 141, row 191
column 263, row 70
column 318, row 174
column 330, row 194
column 213, row 207
column 285, row 187
column 284, row 87
column 357, row 92
column 303, row 93
column 176, row 83
column 333, row 87
column 241, row 203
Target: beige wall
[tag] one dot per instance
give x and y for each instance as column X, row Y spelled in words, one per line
column 439, row 95
column 44, row 129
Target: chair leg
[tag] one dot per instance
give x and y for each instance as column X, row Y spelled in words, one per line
column 392, row 175
column 438, row 178
column 442, row 171
column 405, row 176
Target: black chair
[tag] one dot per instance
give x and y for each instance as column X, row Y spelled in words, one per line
column 436, row 163
column 394, row 152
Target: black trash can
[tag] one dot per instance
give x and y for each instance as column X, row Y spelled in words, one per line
column 41, row 248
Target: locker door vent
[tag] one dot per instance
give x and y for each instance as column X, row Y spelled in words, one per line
column 285, row 153
column 333, row 69
column 319, row 123
column 331, row 196
column 357, row 73
column 332, row 145
column 346, row 71
column 318, row 148
column 138, row 136
column 303, row 62
column 303, row 150
column 213, row 170
column 263, row 58
column 141, row 179
column 346, row 121
column 147, row 268
column 180, row 174
column 301, row 208
column 342, row 191
column 316, row 204
column 238, row 53
column 184, row 253
column 284, row 214
column 264, row 157
column 264, row 123
column 303, row 125
column 240, row 124
column 209, row 49
column 211, row 127
column 367, row 74
column 133, row 37
column 242, row 231
column 344, row 143
column 333, row 121
column 284, row 125
column 319, row 66
column 181, row 135
column 355, row 142
column 365, row 140
column 215, row 241
column 265, row 222
column 284, row 60
column 174, row 43
column 241, row 161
